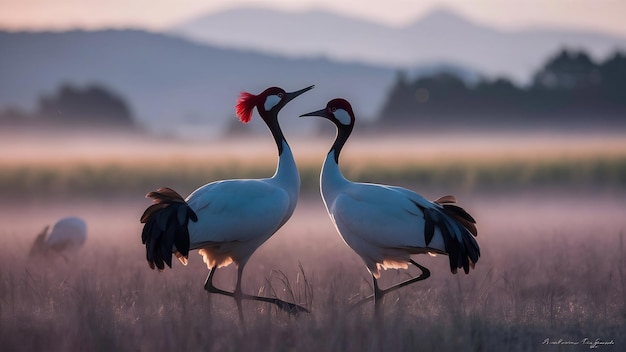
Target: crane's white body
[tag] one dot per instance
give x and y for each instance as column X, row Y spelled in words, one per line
column 70, row 232
column 236, row 216
column 384, row 224
column 67, row 234
column 226, row 221
column 381, row 223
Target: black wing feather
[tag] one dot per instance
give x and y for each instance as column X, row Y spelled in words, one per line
column 429, row 226
column 458, row 229
column 165, row 227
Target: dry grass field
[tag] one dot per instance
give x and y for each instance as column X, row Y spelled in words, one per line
column 552, row 276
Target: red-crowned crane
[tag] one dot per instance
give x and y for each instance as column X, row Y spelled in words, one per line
column 384, row 224
column 67, row 234
column 228, row 220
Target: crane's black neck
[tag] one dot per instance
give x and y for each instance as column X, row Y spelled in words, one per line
column 272, row 123
column 343, row 133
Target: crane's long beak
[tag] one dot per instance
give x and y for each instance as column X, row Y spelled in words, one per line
column 292, row 95
column 321, row 113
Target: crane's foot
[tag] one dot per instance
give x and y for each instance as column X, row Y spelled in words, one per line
column 290, row 308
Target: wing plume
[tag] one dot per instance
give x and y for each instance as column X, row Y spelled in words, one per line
column 458, row 229
column 165, row 226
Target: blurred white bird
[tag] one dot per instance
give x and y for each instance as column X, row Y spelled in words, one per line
column 384, row 224
column 67, row 234
column 228, row 220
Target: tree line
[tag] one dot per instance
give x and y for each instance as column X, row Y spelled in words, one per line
column 569, row 89
column 92, row 105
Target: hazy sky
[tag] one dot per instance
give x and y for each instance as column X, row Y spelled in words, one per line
column 603, row 15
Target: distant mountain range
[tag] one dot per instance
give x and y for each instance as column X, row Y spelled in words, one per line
column 178, row 83
column 441, row 36
column 174, row 85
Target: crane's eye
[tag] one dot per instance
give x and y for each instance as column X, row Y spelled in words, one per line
column 281, row 95
column 333, row 109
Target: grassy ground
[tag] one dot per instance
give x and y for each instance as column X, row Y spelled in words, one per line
column 560, row 277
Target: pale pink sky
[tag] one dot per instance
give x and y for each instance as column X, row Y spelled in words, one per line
column 602, row 15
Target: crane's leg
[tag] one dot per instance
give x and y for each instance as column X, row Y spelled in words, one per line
column 378, row 300
column 238, row 294
column 423, row 276
column 286, row 306
column 208, row 284
column 209, row 287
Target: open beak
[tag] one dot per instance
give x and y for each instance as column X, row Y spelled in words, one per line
column 321, row 113
column 292, row 95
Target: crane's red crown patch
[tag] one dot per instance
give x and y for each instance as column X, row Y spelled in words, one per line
column 245, row 105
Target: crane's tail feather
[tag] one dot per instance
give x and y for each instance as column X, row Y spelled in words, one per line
column 165, row 226
column 458, row 228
